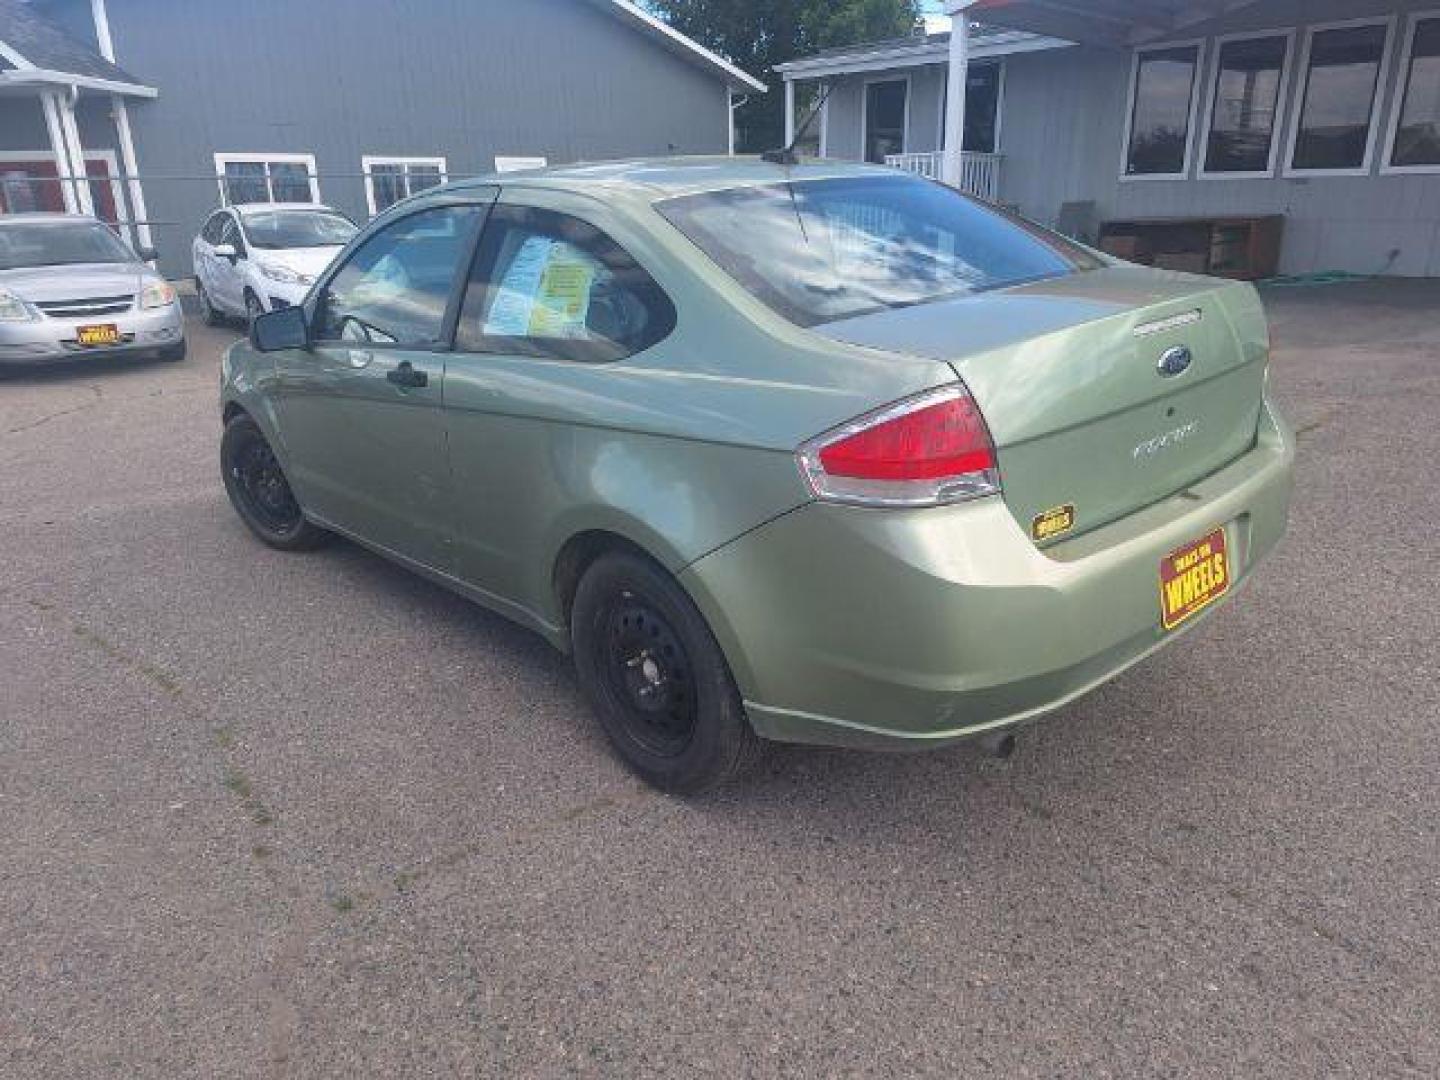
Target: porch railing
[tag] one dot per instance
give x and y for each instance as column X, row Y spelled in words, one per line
column 979, row 173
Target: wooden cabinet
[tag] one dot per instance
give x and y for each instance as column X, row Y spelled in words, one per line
column 1247, row 248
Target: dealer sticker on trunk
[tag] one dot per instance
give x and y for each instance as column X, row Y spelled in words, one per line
column 1193, row 578
column 1053, row 523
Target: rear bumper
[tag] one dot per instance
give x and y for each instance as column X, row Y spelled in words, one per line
column 913, row 629
column 48, row 340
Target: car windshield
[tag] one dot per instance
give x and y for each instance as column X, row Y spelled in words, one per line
column 277, row 229
column 60, row 244
column 818, row 251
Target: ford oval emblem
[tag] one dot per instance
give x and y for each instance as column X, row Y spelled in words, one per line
column 1175, row 361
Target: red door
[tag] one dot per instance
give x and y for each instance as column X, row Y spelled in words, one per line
column 29, row 186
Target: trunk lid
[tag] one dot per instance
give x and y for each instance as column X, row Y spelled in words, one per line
column 1066, row 373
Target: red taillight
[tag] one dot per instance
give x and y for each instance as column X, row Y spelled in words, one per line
column 928, row 450
column 944, row 439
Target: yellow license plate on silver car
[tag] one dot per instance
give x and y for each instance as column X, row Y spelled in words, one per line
column 100, row 334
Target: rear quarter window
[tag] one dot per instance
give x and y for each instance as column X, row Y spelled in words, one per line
column 547, row 284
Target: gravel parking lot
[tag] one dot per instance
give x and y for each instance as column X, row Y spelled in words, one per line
column 269, row 815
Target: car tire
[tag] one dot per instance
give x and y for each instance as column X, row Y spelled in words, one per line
column 173, row 354
column 253, row 310
column 260, row 492
column 208, row 311
column 656, row 678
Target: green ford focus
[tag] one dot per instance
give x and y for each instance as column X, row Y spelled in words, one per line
column 815, row 453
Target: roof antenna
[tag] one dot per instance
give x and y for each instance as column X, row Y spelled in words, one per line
column 788, row 155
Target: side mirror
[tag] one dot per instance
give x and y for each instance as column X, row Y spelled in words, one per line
column 226, row 251
column 282, row 329
column 147, row 253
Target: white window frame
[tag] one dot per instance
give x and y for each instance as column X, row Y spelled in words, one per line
column 1412, row 27
column 1302, row 88
column 1282, row 105
column 1196, row 85
column 308, row 160
column 865, row 109
column 369, row 161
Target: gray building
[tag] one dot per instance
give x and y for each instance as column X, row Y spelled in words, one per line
column 1322, row 113
column 168, row 108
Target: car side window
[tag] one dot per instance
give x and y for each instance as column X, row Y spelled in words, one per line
column 395, row 287
column 230, row 234
column 213, row 228
column 549, row 285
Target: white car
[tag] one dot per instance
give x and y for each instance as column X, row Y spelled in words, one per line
column 257, row 257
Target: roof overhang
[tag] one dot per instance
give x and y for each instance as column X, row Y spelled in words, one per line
column 39, row 78
column 1111, row 23
column 886, row 56
column 669, row 38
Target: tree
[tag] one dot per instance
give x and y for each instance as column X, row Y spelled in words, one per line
column 756, row 35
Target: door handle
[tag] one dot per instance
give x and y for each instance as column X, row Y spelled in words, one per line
column 404, row 374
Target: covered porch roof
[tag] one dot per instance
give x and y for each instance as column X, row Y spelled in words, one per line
column 36, row 54
column 1112, row 23
column 916, row 51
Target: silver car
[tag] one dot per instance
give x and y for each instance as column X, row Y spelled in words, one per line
column 70, row 287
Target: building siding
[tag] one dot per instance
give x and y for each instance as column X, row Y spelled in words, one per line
column 1063, row 121
column 461, row 79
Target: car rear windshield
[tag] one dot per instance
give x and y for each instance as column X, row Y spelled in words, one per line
column 278, row 229
column 60, row 244
column 819, row 251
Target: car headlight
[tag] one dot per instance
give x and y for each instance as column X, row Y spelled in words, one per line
column 13, row 309
column 157, row 294
column 278, row 272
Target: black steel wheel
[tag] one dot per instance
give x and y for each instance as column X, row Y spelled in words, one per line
column 259, row 490
column 649, row 676
column 656, row 678
column 253, row 310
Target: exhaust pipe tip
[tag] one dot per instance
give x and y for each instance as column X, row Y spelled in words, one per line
column 1000, row 745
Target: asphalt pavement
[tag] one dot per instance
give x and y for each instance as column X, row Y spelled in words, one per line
column 305, row 816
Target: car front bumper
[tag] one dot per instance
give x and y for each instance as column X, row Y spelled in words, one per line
column 51, row 339
column 281, row 294
column 912, row 629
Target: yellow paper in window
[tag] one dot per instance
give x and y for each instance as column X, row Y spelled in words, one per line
column 562, row 302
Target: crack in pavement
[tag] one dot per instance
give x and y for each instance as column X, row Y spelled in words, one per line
column 99, row 396
column 283, row 1024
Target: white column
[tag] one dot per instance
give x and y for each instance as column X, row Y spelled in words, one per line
column 50, row 104
column 730, row 121
column 75, row 152
column 789, row 111
column 128, row 162
column 131, row 168
column 955, row 94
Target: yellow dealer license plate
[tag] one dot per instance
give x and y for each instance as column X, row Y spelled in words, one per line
column 1193, row 578
column 102, row 334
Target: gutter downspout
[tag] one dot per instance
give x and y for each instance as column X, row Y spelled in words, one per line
column 734, row 103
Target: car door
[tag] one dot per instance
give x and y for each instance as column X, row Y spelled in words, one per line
column 552, row 303
column 202, row 251
column 227, row 290
column 359, row 411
